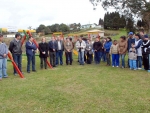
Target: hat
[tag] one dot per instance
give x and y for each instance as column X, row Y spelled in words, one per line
column 130, row 33
column 1, row 35
column 145, row 36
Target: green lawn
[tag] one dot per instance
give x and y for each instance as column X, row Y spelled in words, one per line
column 76, row 89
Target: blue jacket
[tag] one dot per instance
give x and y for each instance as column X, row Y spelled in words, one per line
column 130, row 41
column 107, row 46
column 30, row 48
column 53, row 46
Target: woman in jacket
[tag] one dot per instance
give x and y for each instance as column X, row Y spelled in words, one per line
column 122, row 48
column 107, row 46
column 88, row 51
column 68, row 46
column 138, row 44
column 43, row 48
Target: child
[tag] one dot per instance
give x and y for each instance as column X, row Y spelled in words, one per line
column 132, row 57
column 115, row 54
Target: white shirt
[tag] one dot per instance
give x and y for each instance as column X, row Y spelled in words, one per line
column 59, row 45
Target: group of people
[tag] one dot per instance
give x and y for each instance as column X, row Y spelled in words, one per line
column 136, row 46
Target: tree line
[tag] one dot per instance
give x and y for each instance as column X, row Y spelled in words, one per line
column 58, row 28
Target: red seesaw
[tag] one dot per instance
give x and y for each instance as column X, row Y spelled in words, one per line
column 15, row 66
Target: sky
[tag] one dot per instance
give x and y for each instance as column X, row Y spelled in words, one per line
column 25, row 13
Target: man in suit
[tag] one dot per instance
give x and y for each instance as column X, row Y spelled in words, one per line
column 30, row 52
column 59, row 52
column 52, row 51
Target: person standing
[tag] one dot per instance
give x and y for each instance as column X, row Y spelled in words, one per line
column 59, row 53
column 146, row 53
column 15, row 48
column 3, row 58
column 43, row 48
column 52, row 51
column 89, row 51
column 115, row 54
column 131, row 40
column 122, row 48
column 132, row 57
column 107, row 49
column 80, row 45
column 138, row 43
column 103, row 52
column 68, row 46
column 30, row 52
column 97, row 47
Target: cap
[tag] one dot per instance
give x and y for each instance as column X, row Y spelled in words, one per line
column 145, row 36
column 130, row 33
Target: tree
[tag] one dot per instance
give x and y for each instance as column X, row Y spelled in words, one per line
column 113, row 21
column 63, row 28
column 129, row 8
column 101, row 22
column 130, row 25
column 41, row 28
column 30, row 27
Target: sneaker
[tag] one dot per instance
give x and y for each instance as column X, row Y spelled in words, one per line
column 130, row 68
column 15, row 74
column 5, row 77
column 113, row 66
column 135, row 69
column 122, row 66
column 139, row 68
column 117, row 66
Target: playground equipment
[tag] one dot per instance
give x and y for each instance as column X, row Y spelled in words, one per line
column 15, row 66
column 58, row 33
column 27, row 34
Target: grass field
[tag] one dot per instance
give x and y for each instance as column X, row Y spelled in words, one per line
column 76, row 89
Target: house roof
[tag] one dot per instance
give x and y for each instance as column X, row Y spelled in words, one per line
column 96, row 31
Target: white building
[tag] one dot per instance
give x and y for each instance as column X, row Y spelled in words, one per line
column 94, row 33
column 87, row 26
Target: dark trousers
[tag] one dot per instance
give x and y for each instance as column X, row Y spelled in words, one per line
column 146, row 62
column 53, row 58
column 18, row 59
column 43, row 61
column 108, row 58
column 29, row 60
column 59, row 57
column 89, row 58
column 68, row 56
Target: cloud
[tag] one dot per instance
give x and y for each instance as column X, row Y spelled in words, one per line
column 24, row 13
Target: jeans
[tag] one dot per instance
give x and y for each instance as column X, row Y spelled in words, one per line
column 115, row 59
column 53, row 58
column 59, row 56
column 132, row 64
column 122, row 56
column 68, row 56
column 18, row 60
column 29, row 60
column 41, row 63
column 81, row 57
column 139, row 61
column 3, row 67
column 98, row 56
column 108, row 58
